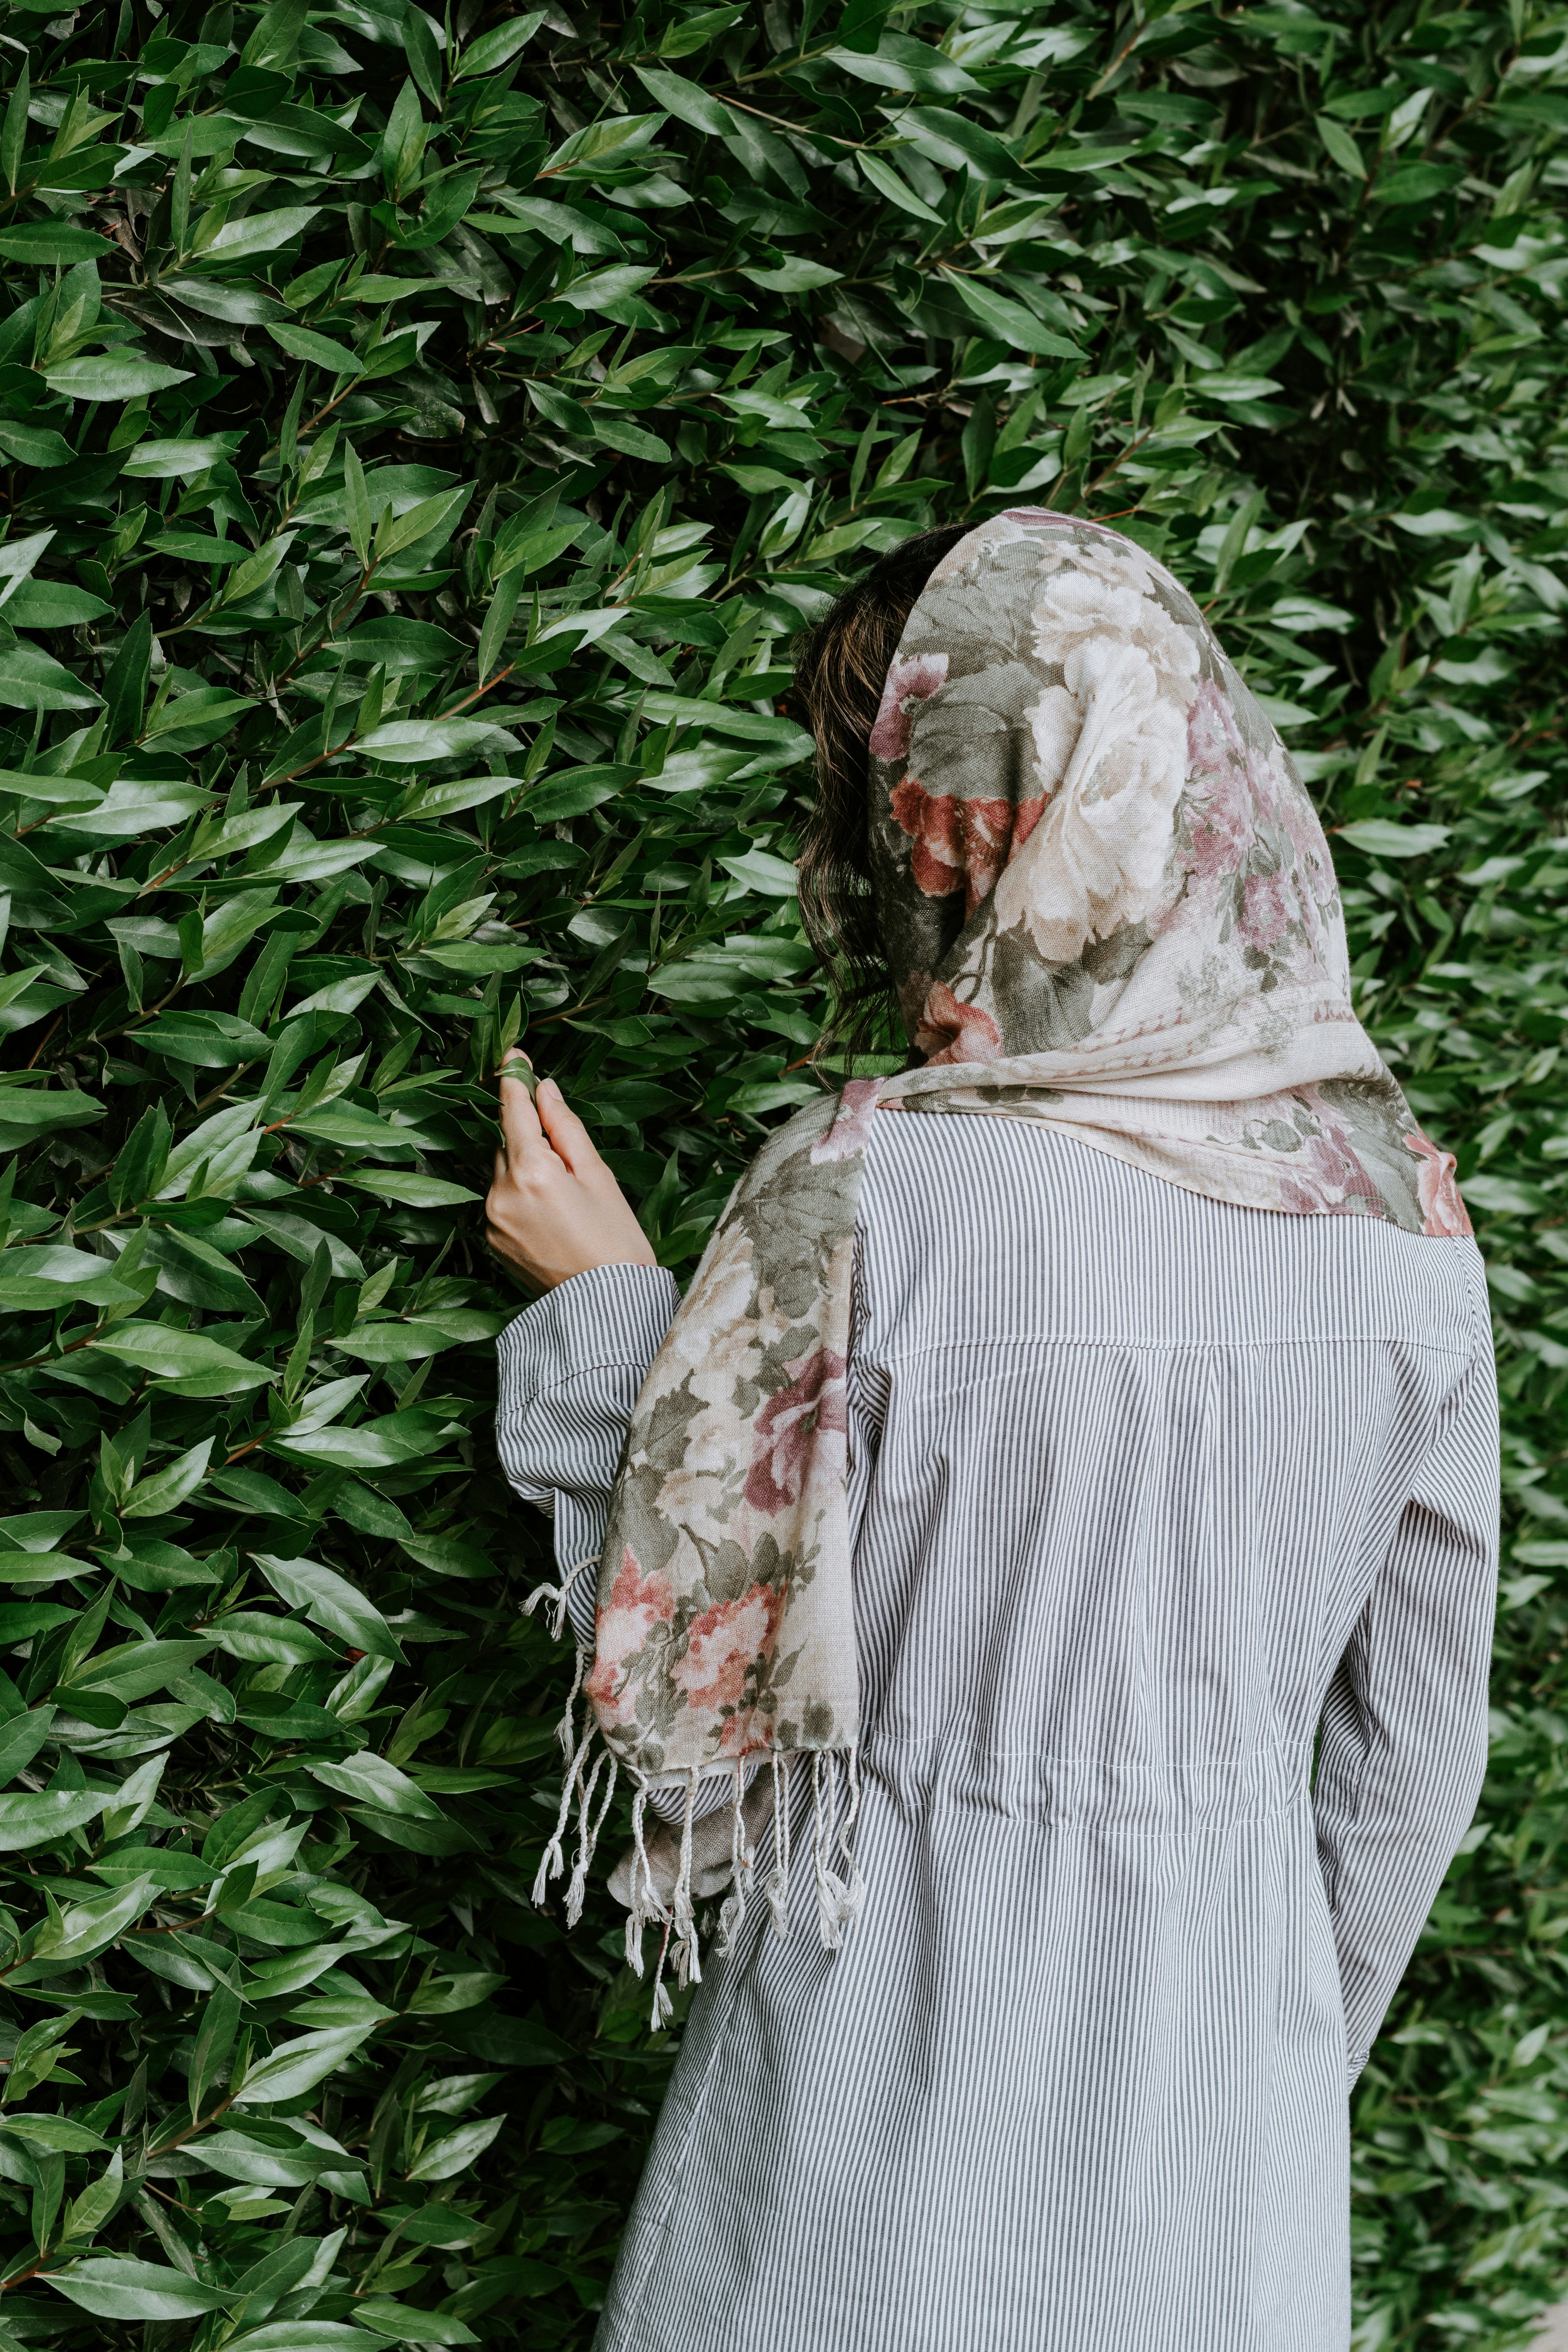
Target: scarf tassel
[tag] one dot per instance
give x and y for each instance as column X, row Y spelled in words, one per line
column 838, row 1900
column 580, row 1783
column 556, row 1596
column 742, row 1870
column 777, row 1887
column 839, row 1884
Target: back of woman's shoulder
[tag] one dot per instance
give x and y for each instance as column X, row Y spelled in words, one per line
column 984, row 1227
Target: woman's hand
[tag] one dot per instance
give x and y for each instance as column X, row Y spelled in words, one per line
column 555, row 1210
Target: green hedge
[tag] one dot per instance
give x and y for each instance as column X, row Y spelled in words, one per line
column 421, row 439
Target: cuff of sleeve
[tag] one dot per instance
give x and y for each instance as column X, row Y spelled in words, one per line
column 611, row 1315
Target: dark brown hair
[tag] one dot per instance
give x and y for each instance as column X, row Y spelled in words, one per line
column 841, row 666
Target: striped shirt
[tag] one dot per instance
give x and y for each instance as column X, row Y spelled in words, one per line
column 1154, row 1498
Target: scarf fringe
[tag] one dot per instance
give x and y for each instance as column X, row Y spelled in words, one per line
column 838, row 1900
column 588, row 1838
column 551, row 1862
column 645, row 1902
column 777, row 1888
column 840, row 1891
column 742, row 1870
column 687, row 1958
column 556, row 1596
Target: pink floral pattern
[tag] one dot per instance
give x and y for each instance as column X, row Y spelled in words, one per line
column 637, row 1608
column 787, row 1426
column 1248, row 837
column 908, row 684
column 1445, row 1214
column 723, row 1647
column 962, row 845
column 1098, row 875
column 851, row 1130
column 950, row 1032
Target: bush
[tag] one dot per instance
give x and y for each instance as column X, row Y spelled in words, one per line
column 421, row 439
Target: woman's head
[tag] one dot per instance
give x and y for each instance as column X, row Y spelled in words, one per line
column 841, row 666
column 1048, row 806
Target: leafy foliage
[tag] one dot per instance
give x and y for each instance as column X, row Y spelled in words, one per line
column 422, row 438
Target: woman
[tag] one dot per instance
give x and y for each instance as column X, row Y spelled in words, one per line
column 1057, row 1474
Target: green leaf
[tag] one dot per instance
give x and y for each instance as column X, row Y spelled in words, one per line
column 117, row 2286
column 445, row 2158
column 135, row 1670
column 46, row 244
column 406, row 2326
column 1342, row 146
column 165, row 1492
column 31, row 680
column 267, row 1641
column 1008, row 320
column 302, row 343
column 446, row 1996
column 403, row 1342
column 415, row 742
column 415, row 1191
column 369, row 1779
column 888, row 182
column 36, row 1111
column 32, row 1821
column 34, row 445
column 1380, row 837
column 420, row 522
column 52, row 604
column 684, row 100
column 445, row 1556
column 52, row 1279
column 296, row 2066
column 759, row 870
column 172, row 1354
column 496, row 49
column 603, row 287
column 899, row 63
column 13, row 137
column 109, row 376
column 258, row 233
column 84, row 1929
column 1417, row 183
column 794, row 276
column 125, row 687
column 332, row 1600
column 57, row 2133
column 20, row 1740
column 1438, row 522
column 698, row 32
column 165, row 461
column 303, row 2336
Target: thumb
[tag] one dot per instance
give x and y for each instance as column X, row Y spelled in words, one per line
column 569, row 1138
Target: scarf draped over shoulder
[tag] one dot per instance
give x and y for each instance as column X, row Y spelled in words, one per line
column 1107, row 904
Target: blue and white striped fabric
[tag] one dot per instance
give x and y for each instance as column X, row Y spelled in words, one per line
column 1147, row 1488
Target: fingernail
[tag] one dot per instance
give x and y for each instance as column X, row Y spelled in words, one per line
column 548, row 1086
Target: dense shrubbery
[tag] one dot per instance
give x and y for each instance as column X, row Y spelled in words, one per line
column 421, row 440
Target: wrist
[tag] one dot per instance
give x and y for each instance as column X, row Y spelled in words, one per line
column 557, row 1276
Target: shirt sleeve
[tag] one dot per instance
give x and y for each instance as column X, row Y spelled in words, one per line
column 569, row 1368
column 1403, row 1745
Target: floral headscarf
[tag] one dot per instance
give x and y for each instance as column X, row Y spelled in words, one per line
column 1107, row 905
